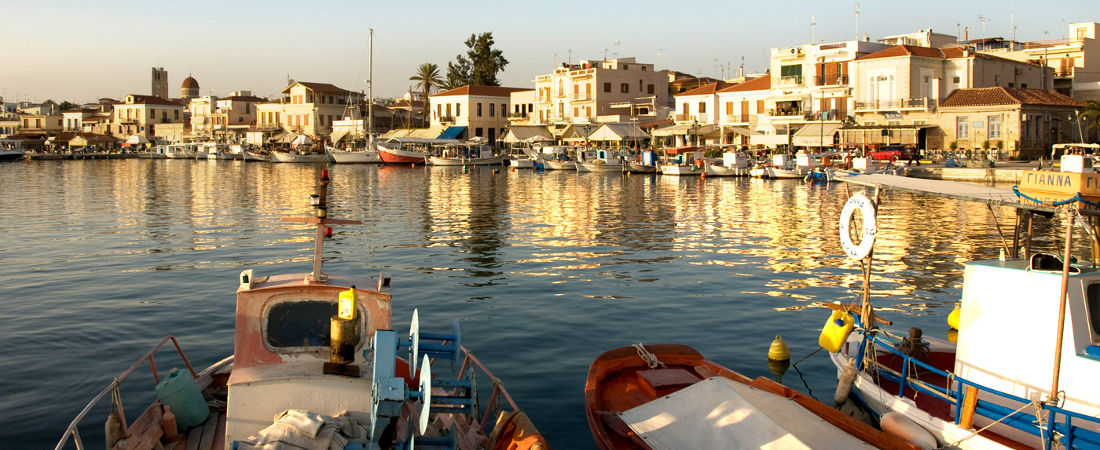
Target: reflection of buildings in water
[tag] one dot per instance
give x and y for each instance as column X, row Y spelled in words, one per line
column 466, row 211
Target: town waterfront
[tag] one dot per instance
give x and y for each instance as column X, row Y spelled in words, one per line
column 545, row 270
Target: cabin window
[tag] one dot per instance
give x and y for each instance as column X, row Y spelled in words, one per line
column 300, row 323
column 1092, row 303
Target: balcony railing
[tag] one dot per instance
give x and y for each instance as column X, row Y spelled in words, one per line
column 899, row 104
column 582, row 96
column 518, row 115
column 790, row 80
column 701, row 118
column 450, row 119
column 784, row 112
column 832, row 80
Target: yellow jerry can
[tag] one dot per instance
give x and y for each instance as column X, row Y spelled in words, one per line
column 836, row 331
column 348, row 302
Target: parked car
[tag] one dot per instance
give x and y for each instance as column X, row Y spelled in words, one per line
column 893, row 153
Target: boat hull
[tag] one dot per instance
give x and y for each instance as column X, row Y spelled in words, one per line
column 522, row 163
column 310, row 158
column 715, row 170
column 598, row 167
column 441, row 161
column 12, row 155
column 559, row 165
column 353, row 157
column 400, row 156
column 677, row 170
column 640, row 168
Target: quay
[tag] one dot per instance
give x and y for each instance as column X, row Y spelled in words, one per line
column 1001, row 172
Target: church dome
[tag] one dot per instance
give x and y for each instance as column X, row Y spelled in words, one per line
column 189, row 83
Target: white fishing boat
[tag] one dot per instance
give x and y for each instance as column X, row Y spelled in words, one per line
column 643, row 162
column 556, row 157
column 781, row 166
column 1022, row 369
column 246, row 152
column 298, row 156
column 353, row 155
column 180, row 151
column 732, row 164
column 683, row 161
column 466, row 154
column 316, row 364
column 599, row 160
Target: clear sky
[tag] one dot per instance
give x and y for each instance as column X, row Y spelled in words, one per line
column 83, row 50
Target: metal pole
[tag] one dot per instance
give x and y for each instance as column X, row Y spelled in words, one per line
column 1053, row 398
column 370, row 92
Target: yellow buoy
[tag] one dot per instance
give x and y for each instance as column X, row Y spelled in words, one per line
column 953, row 318
column 953, row 336
column 836, row 331
column 778, row 350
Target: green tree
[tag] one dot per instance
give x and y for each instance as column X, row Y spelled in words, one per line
column 1092, row 112
column 427, row 78
column 65, row 106
column 479, row 66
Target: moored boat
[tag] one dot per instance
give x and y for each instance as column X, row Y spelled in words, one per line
column 683, row 161
column 12, row 155
column 404, row 150
column 353, row 156
column 670, row 396
column 991, row 387
column 732, row 164
column 466, row 155
column 316, row 364
column 599, row 160
column 298, row 157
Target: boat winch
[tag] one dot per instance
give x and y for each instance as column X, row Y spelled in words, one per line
column 391, row 392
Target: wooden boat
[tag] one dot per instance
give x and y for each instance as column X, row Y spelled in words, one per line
column 683, row 161
column 670, row 396
column 404, row 150
column 180, row 151
column 303, row 359
column 466, row 154
column 599, row 160
column 12, row 155
column 298, row 157
column 991, row 387
column 732, row 164
column 353, row 156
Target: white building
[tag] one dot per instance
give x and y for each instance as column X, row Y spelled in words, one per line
column 472, row 111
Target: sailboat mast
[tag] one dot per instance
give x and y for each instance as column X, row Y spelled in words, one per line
column 370, row 88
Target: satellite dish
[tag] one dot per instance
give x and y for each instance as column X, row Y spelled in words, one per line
column 414, row 335
column 425, row 394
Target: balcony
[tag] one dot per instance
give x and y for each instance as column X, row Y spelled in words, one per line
column 446, row 119
column 912, row 104
column 790, row 80
column 582, row 96
column 785, row 112
column 518, row 115
column 700, row 118
column 832, row 80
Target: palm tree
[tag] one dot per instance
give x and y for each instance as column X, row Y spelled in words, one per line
column 426, row 78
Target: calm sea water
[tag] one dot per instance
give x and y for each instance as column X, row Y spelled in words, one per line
column 545, row 271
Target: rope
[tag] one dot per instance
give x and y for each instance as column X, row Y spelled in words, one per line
column 650, row 359
column 1038, row 416
column 807, row 356
column 1076, row 198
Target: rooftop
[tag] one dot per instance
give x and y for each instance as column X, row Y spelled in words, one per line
column 995, row 96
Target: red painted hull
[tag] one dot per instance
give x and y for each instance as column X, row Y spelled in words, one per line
column 397, row 156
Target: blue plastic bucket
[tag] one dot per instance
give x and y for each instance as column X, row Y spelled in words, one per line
column 179, row 392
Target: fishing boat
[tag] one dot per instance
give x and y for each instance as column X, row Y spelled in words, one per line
column 599, row 160
column 732, row 164
column 180, row 151
column 466, row 155
column 994, row 385
column 405, row 150
column 298, row 156
column 671, row 397
column 245, row 152
column 644, row 162
column 683, row 161
column 353, row 155
column 12, row 155
column 781, row 166
column 316, row 364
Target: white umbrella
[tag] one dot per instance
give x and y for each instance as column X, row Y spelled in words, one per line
column 137, row 139
column 301, row 140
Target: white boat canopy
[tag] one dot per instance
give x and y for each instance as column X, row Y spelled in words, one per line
column 137, row 139
column 517, row 134
column 301, row 139
column 687, row 129
column 815, row 135
column 618, row 132
column 338, row 134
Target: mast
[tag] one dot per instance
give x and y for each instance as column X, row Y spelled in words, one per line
column 370, row 88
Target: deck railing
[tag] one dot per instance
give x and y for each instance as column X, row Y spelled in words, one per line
column 1058, row 420
column 116, row 398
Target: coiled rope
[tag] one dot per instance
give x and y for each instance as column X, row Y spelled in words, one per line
column 649, row 358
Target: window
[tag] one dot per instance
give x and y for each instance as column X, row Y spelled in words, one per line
column 449, row 109
column 702, row 107
column 588, row 111
column 479, row 109
column 624, row 88
column 492, row 110
column 729, row 108
column 176, row 114
column 640, row 86
column 291, row 324
column 955, row 79
column 477, row 132
column 759, row 106
column 649, row 89
column 607, row 87
column 503, row 108
column 1023, row 85
column 994, row 127
column 458, row 109
column 152, row 113
column 1092, row 303
column 962, row 128
column 576, row 111
column 792, row 72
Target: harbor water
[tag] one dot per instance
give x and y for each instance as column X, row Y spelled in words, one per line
column 545, row 271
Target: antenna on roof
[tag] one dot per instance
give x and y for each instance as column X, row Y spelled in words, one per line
column 813, row 30
column 857, row 21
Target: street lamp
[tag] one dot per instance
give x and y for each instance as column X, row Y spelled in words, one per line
column 695, row 132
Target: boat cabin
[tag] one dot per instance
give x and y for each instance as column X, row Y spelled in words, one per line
column 282, row 342
column 1008, row 330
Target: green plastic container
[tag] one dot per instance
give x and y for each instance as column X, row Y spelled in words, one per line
column 179, row 392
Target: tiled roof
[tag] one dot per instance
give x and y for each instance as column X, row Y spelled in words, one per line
column 755, row 84
column 246, row 98
column 317, row 87
column 488, row 91
column 1000, row 95
column 913, row 50
column 705, row 89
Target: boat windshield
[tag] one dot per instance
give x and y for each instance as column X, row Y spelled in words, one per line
column 301, row 323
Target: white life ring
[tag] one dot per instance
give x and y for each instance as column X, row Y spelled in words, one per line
column 867, row 209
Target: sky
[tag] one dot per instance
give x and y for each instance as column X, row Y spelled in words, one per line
column 79, row 51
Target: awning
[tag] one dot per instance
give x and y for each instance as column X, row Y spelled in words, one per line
column 517, row 134
column 815, row 135
column 301, row 139
column 452, row 132
column 618, row 132
column 686, row 129
column 737, row 130
column 338, row 134
column 137, row 139
column 854, row 135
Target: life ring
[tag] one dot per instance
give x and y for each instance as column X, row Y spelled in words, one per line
column 867, row 209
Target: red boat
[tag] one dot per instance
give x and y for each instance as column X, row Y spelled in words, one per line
column 669, row 396
column 403, row 151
